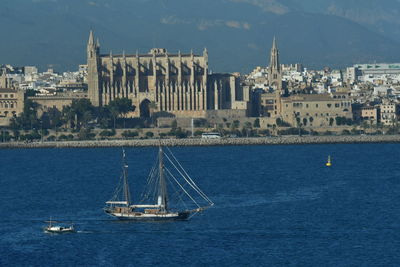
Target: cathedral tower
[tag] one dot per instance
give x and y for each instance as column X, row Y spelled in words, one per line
column 274, row 70
column 93, row 51
column 275, row 78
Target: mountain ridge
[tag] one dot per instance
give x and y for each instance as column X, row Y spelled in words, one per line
column 237, row 33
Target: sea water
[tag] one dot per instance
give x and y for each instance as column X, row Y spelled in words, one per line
column 274, row 206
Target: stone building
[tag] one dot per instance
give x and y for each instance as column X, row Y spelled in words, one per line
column 11, row 104
column 161, row 81
column 388, row 112
column 370, row 114
column 5, row 82
column 314, row 110
column 58, row 101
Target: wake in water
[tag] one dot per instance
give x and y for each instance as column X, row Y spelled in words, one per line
column 301, row 194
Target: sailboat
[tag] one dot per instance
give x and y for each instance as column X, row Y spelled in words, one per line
column 329, row 163
column 156, row 203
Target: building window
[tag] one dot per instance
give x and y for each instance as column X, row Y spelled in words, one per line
column 316, row 105
column 12, row 95
column 5, row 96
column 11, row 105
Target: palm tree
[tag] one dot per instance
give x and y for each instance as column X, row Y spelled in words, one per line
column 152, row 108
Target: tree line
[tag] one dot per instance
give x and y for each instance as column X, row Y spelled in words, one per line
column 80, row 114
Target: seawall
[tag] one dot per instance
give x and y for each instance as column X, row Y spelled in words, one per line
column 286, row 140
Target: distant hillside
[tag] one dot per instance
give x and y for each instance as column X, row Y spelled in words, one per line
column 237, row 33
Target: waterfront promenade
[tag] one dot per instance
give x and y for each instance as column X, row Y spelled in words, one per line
column 284, row 140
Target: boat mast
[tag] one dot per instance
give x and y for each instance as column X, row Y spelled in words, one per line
column 125, row 174
column 162, row 198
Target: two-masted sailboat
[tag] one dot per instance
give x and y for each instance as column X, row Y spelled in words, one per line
column 157, row 202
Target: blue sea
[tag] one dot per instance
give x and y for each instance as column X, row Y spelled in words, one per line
column 274, row 206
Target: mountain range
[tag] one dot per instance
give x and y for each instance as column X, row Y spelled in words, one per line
column 237, row 33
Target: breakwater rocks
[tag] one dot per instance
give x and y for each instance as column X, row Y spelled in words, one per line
column 285, row 140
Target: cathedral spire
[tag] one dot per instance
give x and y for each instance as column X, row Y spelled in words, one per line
column 274, row 59
column 91, row 38
column 274, row 43
column 274, row 69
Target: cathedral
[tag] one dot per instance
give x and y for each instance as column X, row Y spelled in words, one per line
column 160, row 81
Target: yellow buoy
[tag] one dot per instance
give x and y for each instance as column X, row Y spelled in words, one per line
column 329, row 163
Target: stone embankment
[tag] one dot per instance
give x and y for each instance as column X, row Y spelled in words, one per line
column 286, row 140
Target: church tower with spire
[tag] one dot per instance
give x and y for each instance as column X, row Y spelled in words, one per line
column 93, row 64
column 274, row 70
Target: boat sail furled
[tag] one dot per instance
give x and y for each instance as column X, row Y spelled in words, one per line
column 157, row 203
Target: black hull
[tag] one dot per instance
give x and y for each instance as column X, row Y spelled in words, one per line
column 181, row 216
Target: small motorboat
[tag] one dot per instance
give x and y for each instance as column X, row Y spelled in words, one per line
column 59, row 229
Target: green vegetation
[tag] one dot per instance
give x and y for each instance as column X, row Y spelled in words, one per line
column 149, row 134
column 282, row 123
column 293, row 131
column 129, row 134
column 256, row 123
column 80, row 114
column 107, row 133
column 82, row 121
column 343, row 121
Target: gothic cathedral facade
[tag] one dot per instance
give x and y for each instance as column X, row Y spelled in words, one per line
column 176, row 83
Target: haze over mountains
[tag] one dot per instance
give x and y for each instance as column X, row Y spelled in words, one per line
column 237, row 33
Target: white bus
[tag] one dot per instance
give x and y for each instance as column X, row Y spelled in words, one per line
column 210, row 135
